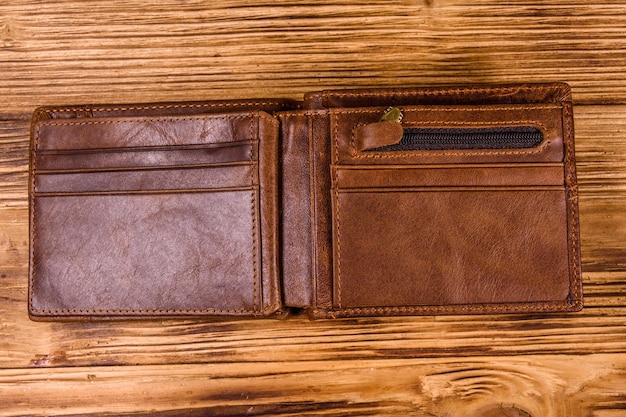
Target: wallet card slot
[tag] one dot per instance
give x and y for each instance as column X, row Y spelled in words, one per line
column 125, row 158
column 136, row 132
column 148, row 180
column 163, row 254
column 409, row 249
column 518, row 175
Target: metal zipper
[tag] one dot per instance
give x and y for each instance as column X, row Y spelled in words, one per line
column 443, row 138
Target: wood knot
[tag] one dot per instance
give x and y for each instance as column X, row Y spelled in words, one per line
column 500, row 410
column 8, row 34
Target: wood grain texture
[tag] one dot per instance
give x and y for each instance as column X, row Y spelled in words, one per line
column 546, row 386
column 72, row 52
column 170, row 50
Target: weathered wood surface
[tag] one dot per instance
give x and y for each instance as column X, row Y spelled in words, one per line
column 112, row 51
column 545, row 386
column 117, row 50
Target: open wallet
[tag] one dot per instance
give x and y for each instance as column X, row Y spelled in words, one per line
column 370, row 202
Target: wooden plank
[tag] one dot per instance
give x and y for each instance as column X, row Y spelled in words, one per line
column 71, row 51
column 600, row 155
column 533, row 385
column 28, row 344
column 14, row 134
column 600, row 149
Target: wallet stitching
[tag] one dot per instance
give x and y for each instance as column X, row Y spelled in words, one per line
column 312, row 208
column 458, row 308
column 321, row 95
column 460, row 108
column 139, row 311
column 337, row 217
column 160, row 106
column 486, row 307
column 254, row 224
column 62, row 122
column 391, row 154
column 436, row 92
column 569, row 160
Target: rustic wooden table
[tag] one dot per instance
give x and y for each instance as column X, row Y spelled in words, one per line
column 73, row 51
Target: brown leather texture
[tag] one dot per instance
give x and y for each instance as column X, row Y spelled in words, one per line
column 375, row 135
column 252, row 208
column 149, row 215
column 454, row 230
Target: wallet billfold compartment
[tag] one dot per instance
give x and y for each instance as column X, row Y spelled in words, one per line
column 349, row 203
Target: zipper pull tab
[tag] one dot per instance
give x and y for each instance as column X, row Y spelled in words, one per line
column 392, row 114
column 387, row 131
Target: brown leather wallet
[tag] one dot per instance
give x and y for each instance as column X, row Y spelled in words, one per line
column 349, row 203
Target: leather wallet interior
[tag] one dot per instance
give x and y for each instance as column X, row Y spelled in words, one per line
column 350, row 203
